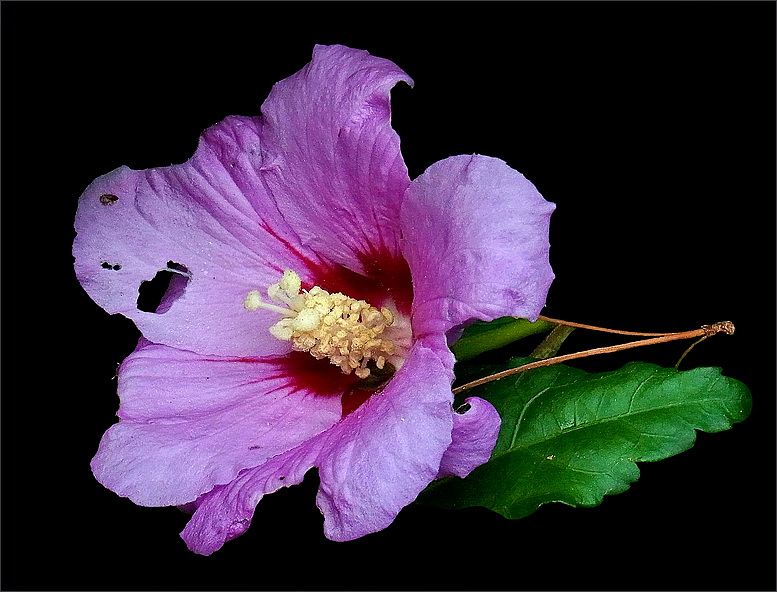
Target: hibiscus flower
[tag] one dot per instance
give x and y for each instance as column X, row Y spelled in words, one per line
column 314, row 291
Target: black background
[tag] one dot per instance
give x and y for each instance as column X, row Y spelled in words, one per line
column 650, row 125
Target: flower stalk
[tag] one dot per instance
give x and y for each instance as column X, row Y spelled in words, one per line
column 700, row 334
column 550, row 346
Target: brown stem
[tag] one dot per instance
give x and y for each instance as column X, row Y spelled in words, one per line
column 594, row 328
column 705, row 331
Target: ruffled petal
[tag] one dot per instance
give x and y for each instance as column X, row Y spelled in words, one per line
column 210, row 224
column 226, row 512
column 475, row 430
column 188, row 424
column 386, row 452
column 371, row 464
column 475, row 234
column 333, row 160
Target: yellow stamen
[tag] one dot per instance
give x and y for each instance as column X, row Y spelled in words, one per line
column 349, row 332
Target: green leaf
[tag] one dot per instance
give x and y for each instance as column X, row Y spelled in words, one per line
column 573, row 437
column 482, row 337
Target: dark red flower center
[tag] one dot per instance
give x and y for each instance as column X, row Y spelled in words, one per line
column 386, row 281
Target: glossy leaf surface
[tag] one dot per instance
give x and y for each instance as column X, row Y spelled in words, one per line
column 573, row 437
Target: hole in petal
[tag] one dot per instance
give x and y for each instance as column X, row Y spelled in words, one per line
column 113, row 266
column 462, row 409
column 159, row 294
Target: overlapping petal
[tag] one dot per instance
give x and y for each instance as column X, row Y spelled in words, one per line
column 332, row 158
column 383, row 455
column 188, row 424
column 475, row 430
column 476, row 239
column 371, row 464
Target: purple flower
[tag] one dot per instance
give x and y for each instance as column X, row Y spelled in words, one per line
column 314, row 289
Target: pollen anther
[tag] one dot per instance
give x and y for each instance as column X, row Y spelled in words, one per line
column 347, row 331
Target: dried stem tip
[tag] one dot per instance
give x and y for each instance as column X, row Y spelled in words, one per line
column 726, row 327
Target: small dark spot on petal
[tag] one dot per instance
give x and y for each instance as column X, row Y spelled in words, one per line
column 281, row 478
column 462, row 409
column 108, row 199
column 114, row 267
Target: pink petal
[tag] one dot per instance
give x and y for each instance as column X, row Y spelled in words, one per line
column 476, row 239
column 226, row 512
column 323, row 166
column 385, row 453
column 213, row 218
column 372, row 463
column 475, row 430
column 188, row 424
column 333, row 160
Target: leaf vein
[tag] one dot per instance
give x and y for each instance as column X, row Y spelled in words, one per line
column 639, row 388
column 526, row 406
